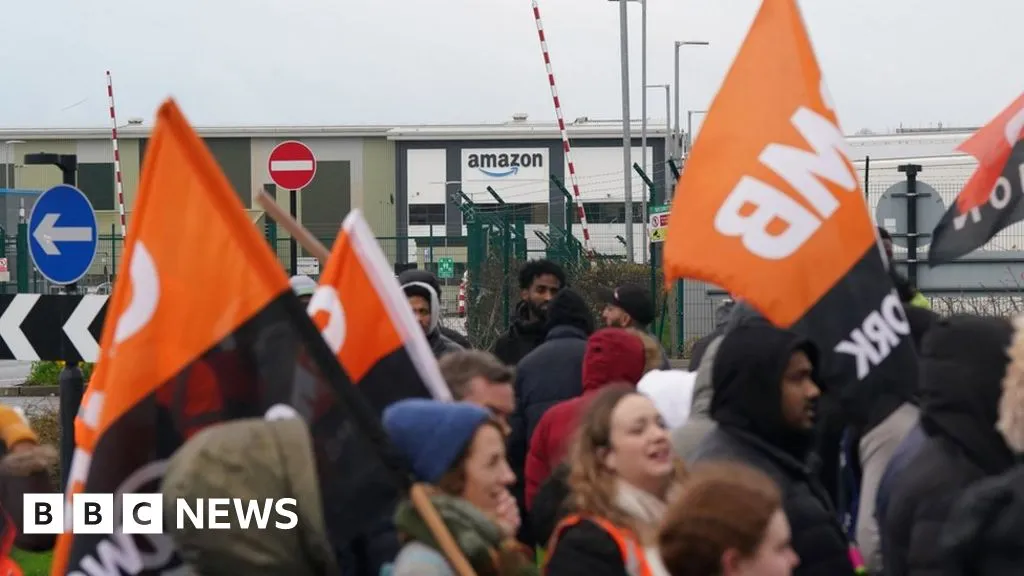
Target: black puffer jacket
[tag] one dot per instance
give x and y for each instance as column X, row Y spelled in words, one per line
column 983, row 536
column 747, row 405
column 523, row 335
column 546, row 376
column 962, row 364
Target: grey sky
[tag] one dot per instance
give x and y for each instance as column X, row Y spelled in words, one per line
column 414, row 61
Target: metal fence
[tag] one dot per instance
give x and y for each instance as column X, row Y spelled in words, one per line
column 482, row 264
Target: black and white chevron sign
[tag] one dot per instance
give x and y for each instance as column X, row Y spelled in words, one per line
column 51, row 327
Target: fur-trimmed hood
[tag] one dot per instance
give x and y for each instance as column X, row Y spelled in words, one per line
column 1011, row 404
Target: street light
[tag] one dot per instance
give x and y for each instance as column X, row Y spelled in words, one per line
column 68, row 164
column 689, row 130
column 627, row 136
column 679, row 44
column 668, row 131
column 9, row 162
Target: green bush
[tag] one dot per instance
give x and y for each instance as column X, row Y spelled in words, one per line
column 48, row 373
column 46, row 424
column 488, row 316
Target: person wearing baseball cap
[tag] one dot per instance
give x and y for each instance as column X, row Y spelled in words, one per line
column 629, row 306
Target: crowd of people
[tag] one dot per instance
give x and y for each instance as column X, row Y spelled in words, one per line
column 576, row 450
column 573, row 449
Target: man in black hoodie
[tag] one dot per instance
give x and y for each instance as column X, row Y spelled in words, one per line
column 963, row 363
column 539, row 281
column 764, row 403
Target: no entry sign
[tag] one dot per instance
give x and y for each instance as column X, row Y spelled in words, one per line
column 292, row 165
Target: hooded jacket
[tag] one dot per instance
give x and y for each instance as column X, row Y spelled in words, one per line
column 963, row 360
column 416, row 275
column 522, row 337
column 983, row 533
column 747, row 406
column 251, row 459
column 439, row 343
column 700, row 347
column 612, row 356
column 687, row 437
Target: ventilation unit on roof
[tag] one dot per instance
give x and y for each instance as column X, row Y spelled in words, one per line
column 519, row 117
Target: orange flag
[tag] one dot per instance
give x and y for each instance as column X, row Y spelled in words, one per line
column 365, row 319
column 202, row 328
column 770, row 209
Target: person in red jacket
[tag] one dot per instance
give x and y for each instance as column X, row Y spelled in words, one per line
column 613, row 356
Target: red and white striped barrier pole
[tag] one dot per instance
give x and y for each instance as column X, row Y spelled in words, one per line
column 462, row 294
column 561, row 128
column 117, row 159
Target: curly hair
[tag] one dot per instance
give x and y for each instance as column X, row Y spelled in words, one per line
column 591, row 482
column 536, row 268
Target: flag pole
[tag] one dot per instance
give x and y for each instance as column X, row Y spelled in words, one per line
column 417, row 492
column 298, row 231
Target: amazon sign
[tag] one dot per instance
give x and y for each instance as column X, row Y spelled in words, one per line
column 500, row 168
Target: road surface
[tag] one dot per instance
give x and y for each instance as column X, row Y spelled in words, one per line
column 12, row 373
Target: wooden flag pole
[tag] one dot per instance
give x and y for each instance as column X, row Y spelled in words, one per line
column 417, row 493
column 298, row 231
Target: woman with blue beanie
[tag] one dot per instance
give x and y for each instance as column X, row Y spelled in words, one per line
column 459, row 449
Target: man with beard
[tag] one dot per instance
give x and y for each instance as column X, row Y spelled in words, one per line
column 764, row 402
column 630, row 306
column 539, row 281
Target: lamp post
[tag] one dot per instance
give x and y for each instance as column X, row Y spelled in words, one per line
column 668, row 149
column 9, row 163
column 689, row 130
column 71, row 380
column 627, row 137
column 679, row 44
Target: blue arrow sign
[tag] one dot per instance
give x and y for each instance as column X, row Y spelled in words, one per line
column 62, row 234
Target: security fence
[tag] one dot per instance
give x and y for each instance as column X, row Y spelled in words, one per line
column 478, row 270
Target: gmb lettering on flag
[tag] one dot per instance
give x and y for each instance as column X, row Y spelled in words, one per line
column 389, row 358
column 203, row 328
column 770, row 209
column 991, row 201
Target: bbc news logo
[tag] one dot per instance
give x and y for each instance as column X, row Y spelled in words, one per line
column 144, row 514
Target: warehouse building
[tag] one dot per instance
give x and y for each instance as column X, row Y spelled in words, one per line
column 405, row 178
column 355, row 169
column 524, row 165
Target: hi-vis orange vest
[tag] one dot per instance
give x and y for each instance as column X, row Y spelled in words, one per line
column 633, row 558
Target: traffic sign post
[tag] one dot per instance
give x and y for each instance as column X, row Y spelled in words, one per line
column 62, row 233
column 445, row 267
column 657, row 226
column 62, row 242
column 292, row 167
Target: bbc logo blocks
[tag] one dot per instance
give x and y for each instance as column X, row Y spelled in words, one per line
column 93, row 514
